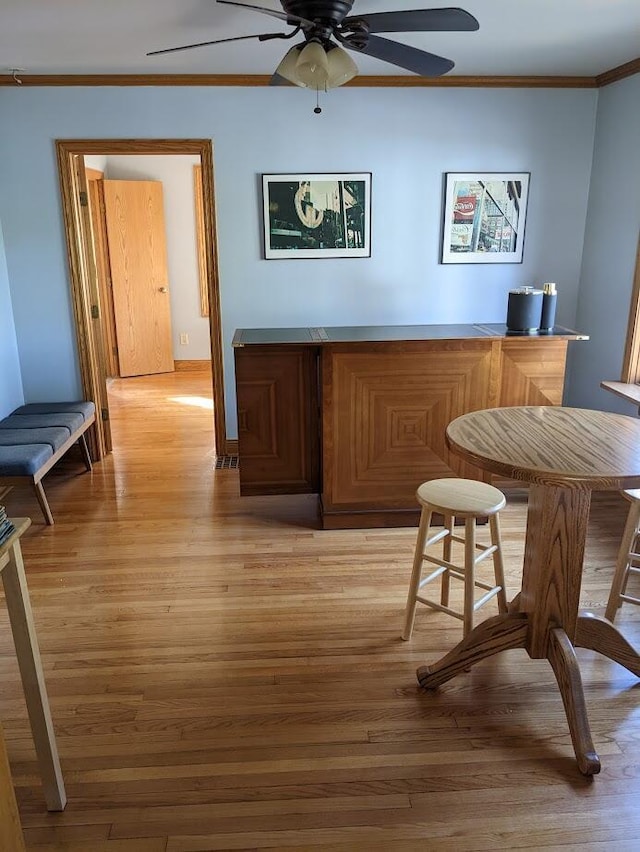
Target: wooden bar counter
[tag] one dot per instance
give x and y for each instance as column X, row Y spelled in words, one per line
column 358, row 414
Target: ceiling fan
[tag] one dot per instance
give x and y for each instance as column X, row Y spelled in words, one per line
column 320, row 61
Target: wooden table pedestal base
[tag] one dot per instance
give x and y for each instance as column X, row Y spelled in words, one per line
column 504, row 632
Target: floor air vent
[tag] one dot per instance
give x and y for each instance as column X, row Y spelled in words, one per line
column 227, row 463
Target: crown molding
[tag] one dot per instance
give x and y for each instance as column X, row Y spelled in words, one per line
column 483, row 82
column 93, row 80
column 258, row 80
column 619, row 73
column 403, row 81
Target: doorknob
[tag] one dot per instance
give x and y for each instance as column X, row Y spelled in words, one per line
column 163, row 289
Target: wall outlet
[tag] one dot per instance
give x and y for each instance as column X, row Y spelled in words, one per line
column 184, row 338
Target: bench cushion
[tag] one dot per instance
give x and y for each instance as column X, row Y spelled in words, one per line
column 69, row 421
column 55, row 437
column 24, row 460
column 84, row 408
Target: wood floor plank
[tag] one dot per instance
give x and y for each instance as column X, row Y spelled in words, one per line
column 224, row 675
column 86, row 834
column 462, row 836
column 147, row 844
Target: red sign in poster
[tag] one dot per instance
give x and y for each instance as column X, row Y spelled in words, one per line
column 464, row 208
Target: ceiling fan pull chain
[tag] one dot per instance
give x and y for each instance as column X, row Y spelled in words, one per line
column 318, row 108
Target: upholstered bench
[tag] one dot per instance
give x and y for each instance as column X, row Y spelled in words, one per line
column 35, row 436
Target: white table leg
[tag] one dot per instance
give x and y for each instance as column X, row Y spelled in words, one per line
column 10, row 828
column 28, row 653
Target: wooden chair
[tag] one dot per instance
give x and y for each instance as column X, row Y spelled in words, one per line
column 628, row 558
column 468, row 500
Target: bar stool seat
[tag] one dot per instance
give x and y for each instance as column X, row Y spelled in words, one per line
column 466, row 499
column 628, row 562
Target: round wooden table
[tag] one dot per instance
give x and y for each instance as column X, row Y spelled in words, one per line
column 565, row 454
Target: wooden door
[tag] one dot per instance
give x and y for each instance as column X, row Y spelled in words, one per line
column 140, row 286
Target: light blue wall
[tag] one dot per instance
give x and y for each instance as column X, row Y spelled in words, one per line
column 611, row 242
column 10, row 381
column 408, row 138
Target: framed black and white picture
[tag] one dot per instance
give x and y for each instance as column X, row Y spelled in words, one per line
column 484, row 217
column 317, row 215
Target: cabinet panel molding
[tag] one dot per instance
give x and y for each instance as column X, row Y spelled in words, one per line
column 532, row 372
column 277, row 420
column 386, row 417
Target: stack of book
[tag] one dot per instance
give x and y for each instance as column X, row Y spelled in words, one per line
column 6, row 527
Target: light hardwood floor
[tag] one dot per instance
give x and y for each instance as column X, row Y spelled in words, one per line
column 223, row 675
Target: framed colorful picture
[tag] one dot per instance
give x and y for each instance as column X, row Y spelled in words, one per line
column 485, row 215
column 317, row 215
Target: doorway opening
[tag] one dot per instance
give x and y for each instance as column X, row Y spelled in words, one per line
column 124, row 330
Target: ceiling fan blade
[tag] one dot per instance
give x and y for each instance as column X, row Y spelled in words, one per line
column 292, row 19
column 417, row 21
column 418, row 61
column 261, row 36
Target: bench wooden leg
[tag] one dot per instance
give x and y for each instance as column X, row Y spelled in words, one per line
column 82, row 440
column 44, row 505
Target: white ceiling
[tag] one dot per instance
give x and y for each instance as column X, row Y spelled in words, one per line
column 516, row 37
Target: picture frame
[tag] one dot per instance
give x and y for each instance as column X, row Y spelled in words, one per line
column 484, row 217
column 316, row 215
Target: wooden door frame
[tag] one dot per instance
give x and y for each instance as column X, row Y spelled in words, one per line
column 90, row 370
column 631, row 360
column 95, row 186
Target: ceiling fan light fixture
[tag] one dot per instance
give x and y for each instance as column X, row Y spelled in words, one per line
column 312, row 67
column 288, row 66
column 342, row 68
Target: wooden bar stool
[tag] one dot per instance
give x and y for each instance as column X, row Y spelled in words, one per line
column 457, row 498
column 628, row 558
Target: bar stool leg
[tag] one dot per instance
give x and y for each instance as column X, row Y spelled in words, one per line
column 627, row 573
column 498, row 563
column 622, row 565
column 449, row 522
column 416, row 574
column 469, row 572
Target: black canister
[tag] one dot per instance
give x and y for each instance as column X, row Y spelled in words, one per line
column 549, row 299
column 523, row 310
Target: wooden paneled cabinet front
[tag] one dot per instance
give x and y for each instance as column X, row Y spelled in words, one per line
column 278, row 419
column 386, row 408
column 362, row 423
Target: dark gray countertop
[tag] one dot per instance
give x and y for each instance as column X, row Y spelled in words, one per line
column 379, row 333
